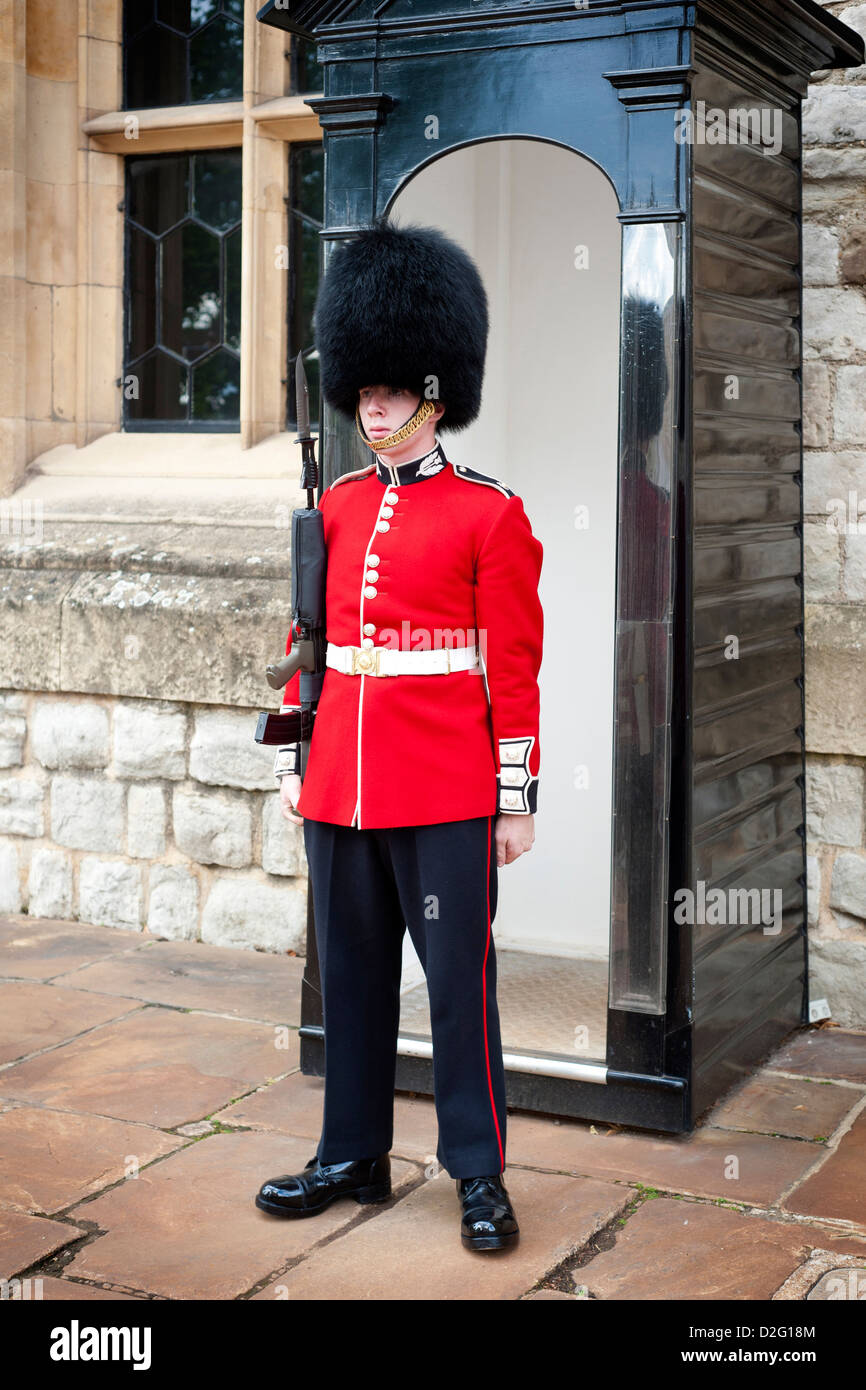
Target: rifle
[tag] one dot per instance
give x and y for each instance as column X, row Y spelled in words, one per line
column 309, row 564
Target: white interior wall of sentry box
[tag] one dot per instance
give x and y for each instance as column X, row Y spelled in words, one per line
column 548, row 428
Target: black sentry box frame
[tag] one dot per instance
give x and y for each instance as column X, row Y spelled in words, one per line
column 719, row 795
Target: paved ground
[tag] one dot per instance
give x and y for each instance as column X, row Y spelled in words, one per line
column 147, row 1089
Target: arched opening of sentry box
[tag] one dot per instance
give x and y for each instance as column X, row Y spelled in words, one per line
column 548, row 429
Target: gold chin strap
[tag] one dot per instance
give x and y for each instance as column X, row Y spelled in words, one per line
column 424, row 411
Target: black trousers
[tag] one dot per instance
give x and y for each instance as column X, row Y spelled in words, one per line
column 368, row 886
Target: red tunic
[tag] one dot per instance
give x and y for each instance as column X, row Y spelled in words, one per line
column 426, row 554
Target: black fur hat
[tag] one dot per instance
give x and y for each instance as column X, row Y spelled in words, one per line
column 397, row 306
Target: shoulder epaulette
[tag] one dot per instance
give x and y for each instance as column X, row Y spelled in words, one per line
column 470, row 476
column 356, row 473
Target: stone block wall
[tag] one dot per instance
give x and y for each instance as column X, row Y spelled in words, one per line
column 834, row 480
column 147, row 814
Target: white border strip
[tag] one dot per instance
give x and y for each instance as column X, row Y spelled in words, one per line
column 518, row 1061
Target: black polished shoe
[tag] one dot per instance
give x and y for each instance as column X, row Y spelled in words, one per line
column 488, row 1221
column 320, row 1184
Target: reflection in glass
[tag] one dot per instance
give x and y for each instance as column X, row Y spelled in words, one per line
column 163, row 385
column 181, row 51
column 216, row 61
column 306, row 73
column 216, row 387
column 644, row 617
column 232, row 291
column 216, row 191
column 306, row 213
column 140, row 301
column 190, row 307
column 157, row 191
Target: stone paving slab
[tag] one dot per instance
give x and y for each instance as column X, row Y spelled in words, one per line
column 187, row 1029
column 160, row 1067
column 44, row 949
column 192, row 975
column 672, row 1249
column 696, row 1163
column 295, row 1105
column 50, row 1158
column 838, row 1189
column 414, row 1251
column 832, row 1052
column 26, row 1239
column 37, row 1015
column 771, row 1104
column 292, row 1105
column 188, row 1227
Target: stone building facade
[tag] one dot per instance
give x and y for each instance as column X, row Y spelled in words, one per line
column 144, row 577
column 834, row 481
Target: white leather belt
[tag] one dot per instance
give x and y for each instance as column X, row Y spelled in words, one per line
column 390, row 661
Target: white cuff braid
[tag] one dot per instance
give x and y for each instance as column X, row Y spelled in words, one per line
column 287, row 760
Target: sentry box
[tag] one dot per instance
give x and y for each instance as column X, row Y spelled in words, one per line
column 628, row 179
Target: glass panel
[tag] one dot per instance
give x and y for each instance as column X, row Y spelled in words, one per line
column 182, row 51
column 306, row 211
column 308, row 278
column 141, row 291
column 638, row 952
column 216, row 61
column 217, row 189
column 178, row 13
column 307, row 75
column 190, row 285
column 155, row 63
column 216, row 388
column 233, row 290
column 308, row 175
column 137, row 13
column 157, row 190
column 162, row 389
column 183, row 288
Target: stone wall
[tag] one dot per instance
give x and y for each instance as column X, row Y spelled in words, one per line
column 141, row 813
column 834, row 399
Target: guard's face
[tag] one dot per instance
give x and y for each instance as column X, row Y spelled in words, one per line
column 384, row 409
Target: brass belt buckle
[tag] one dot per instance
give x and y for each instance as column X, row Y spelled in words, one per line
column 365, row 661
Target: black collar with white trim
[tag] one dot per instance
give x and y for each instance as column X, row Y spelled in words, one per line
column 414, row 470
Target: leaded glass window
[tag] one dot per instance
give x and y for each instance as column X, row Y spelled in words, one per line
column 306, row 214
column 183, row 290
column 181, row 51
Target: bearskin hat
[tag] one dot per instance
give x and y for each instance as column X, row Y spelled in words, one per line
column 396, row 307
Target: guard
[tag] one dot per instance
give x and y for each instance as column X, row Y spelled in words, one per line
column 422, row 775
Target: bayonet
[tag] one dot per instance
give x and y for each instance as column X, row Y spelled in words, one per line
column 309, row 471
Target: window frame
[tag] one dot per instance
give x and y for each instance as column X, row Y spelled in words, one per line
column 130, row 425
column 269, row 120
column 186, row 39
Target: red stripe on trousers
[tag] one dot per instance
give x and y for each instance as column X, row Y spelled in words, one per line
column 484, row 993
